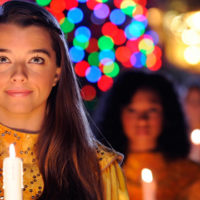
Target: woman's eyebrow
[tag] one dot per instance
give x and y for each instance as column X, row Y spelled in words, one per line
column 32, row 51
column 4, row 50
column 41, row 51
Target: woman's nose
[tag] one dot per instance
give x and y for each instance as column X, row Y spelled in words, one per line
column 19, row 73
column 143, row 116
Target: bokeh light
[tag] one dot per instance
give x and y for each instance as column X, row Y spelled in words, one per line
column 88, row 92
column 105, row 43
column 75, row 15
column 105, row 83
column 42, row 2
column 93, row 58
column 71, row 4
column 117, row 17
column 66, row 25
column 81, row 67
column 191, row 55
column 195, row 136
column 93, row 74
column 101, row 11
column 76, row 54
column 106, row 36
column 82, row 34
column 107, row 54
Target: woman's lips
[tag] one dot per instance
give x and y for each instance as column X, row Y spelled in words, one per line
column 142, row 131
column 18, row 93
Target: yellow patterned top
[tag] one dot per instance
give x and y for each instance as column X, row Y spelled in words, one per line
column 177, row 180
column 113, row 178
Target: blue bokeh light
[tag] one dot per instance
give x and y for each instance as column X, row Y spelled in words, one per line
column 138, row 59
column 75, row 15
column 83, row 34
column 93, row 74
column 134, row 30
column 107, row 54
column 82, row 1
column 76, row 54
column 117, row 17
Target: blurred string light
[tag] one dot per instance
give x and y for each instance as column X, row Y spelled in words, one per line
column 182, row 32
column 104, row 37
column 184, row 27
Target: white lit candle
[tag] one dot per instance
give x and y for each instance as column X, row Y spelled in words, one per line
column 148, row 185
column 195, row 145
column 12, row 176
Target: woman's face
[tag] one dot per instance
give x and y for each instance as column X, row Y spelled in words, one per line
column 192, row 108
column 142, row 120
column 28, row 69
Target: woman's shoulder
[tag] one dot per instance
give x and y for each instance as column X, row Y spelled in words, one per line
column 186, row 168
column 186, row 164
column 107, row 156
column 190, row 178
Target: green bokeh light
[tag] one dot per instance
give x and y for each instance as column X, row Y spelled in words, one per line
column 111, row 69
column 43, row 2
column 82, row 45
column 93, row 59
column 66, row 26
column 105, row 43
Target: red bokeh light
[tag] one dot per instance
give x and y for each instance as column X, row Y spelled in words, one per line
column 91, row 4
column 58, row 15
column 105, row 83
column 58, row 6
column 119, row 38
column 127, row 64
column 71, row 4
column 3, row 1
column 123, row 54
column 117, row 3
column 157, row 51
column 81, row 67
column 93, row 45
column 109, row 29
column 141, row 2
column 88, row 92
column 133, row 45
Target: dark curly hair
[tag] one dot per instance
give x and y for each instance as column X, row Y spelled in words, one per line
column 173, row 141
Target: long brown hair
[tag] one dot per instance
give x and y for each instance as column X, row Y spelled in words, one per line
column 65, row 148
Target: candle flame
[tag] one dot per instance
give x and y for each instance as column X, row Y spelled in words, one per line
column 12, row 150
column 195, row 136
column 147, row 175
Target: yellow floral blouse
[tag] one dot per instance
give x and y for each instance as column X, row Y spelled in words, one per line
column 177, row 180
column 113, row 178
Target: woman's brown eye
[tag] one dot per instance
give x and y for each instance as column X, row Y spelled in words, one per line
column 37, row 60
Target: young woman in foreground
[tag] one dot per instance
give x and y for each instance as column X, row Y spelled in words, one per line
column 41, row 112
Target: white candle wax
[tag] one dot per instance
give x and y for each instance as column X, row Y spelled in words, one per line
column 12, row 176
column 195, row 145
column 148, row 185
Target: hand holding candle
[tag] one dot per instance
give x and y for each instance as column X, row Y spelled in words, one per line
column 148, row 185
column 12, row 176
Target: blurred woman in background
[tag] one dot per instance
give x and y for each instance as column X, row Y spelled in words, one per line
column 141, row 117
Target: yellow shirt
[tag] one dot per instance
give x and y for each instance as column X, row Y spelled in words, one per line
column 177, row 180
column 113, row 179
